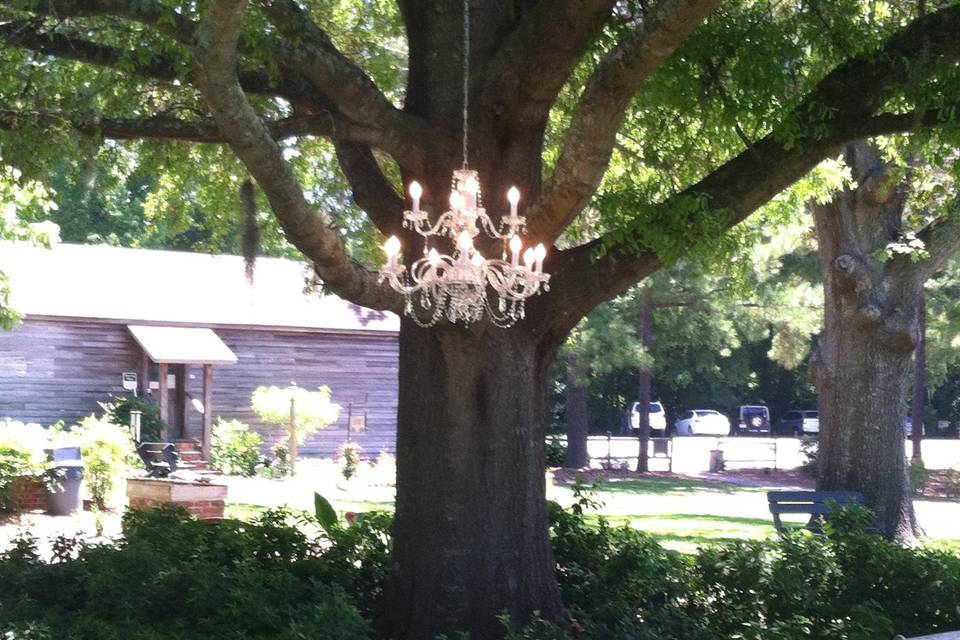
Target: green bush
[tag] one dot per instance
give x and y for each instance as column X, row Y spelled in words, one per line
column 810, row 450
column 556, row 451
column 21, row 454
column 173, row 577
column 234, row 449
column 283, row 576
column 919, row 476
column 108, row 453
column 118, row 412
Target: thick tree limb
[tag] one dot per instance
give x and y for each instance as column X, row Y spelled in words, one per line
column 371, row 190
column 589, row 141
column 850, row 94
column 215, row 68
column 29, row 36
column 169, row 128
column 316, row 58
column 536, row 60
column 942, row 240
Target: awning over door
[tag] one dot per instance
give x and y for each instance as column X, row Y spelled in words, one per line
column 182, row 345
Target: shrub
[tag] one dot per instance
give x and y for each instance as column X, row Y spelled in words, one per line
column 118, row 412
column 108, row 453
column 809, row 449
column 349, row 457
column 174, row 577
column 234, row 449
column 21, row 454
column 556, row 451
column 952, row 483
column 919, row 476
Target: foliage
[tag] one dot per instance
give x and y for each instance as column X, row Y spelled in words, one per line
column 108, row 453
column 118, row 411
column 809, row 449
column 314, row 410
column 919, row 475
column 21, row 454
column 234, row 448
column 349, row 457
column 617, row 582
column 279, row 465
column 174, row 577
column 556, row 451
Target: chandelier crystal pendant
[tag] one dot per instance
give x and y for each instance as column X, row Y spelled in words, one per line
column 456, row 285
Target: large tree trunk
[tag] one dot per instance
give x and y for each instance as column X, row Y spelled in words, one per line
column 643, row 381
column 471, row 521
column 919, row 378
column 863, row 362
column 575, row 415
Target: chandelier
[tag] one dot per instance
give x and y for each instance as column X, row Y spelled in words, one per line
column 458, row 285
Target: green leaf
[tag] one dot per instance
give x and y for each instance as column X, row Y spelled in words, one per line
column 324, row 512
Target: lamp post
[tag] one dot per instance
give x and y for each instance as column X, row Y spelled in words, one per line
column 292, row 446
column 135, row 416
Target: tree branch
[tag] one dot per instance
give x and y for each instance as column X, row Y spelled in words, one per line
column 371, row 190
column 589, row 141
column 536, row 59
column 29, row 36
column 850, row 95
column 347, row 86
column 163, row 127
column 942, row 240
column 215, row 69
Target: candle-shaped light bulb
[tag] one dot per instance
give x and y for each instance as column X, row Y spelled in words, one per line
column 464, row 241
column 392, row 247
column 515, row 246
column 477, row 259
column 415, row 192
column 513, row 195
column 433, row 258
column 528, row 259
column 540, row 252
column 456, row 200
column 471, row 187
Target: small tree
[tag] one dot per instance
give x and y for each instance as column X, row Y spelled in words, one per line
column 304, row 412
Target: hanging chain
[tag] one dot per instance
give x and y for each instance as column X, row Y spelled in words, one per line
column 466, row 76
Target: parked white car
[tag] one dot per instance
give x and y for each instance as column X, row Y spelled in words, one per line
column 658, row 417
column 702, row 422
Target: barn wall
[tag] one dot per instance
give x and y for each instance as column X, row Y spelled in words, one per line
column 359, row 369
column 54, row 370
column 51, row 371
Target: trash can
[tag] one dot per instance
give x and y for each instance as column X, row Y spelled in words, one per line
column 64, row 480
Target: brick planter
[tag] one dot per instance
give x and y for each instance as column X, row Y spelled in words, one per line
column 204, row 500
column 29, row 493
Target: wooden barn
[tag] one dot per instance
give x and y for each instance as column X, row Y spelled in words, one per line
column 99, row 321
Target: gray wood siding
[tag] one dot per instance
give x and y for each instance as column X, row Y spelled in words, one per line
column 54, row 370
column 361, row 369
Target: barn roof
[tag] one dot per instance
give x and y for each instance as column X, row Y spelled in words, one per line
column 172, row 287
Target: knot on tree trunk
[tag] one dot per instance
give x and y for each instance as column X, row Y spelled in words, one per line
column 851, row 275
column 900, row 329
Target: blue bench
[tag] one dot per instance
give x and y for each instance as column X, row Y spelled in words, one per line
column 816, row 504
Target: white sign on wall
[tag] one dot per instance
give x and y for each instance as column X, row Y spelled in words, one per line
column 129, row 380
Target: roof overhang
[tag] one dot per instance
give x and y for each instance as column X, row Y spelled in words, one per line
column 182, row 345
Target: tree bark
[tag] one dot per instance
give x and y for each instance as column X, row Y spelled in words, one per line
column 919, row 378
column 643, row 380
column 575, row 416
column 863, row 360
column 470, row 535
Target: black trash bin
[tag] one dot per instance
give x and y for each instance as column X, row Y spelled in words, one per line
column 64, row 481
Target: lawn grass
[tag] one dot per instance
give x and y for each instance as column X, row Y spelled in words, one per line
column 681, row 513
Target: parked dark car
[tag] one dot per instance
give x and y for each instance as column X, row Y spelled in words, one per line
column 751, row 419
column 799, row 422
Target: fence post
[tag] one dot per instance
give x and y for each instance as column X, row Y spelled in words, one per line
column 609, row 454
